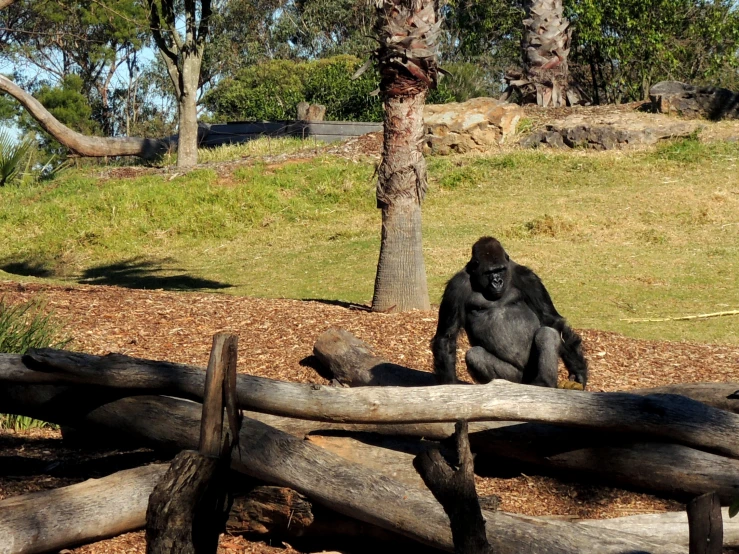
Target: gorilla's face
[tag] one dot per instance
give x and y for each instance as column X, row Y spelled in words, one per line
column 488, row 268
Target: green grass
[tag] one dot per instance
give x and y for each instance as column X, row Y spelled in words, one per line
column 613, row 235
column 262, row 147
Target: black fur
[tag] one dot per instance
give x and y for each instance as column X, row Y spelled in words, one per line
column 505, row 309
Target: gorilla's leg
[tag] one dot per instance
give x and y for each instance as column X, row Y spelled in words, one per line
column 484, row 367
column 546, row 346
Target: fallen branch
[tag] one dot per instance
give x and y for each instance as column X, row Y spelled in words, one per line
column 454, row 488
column 681, row 318
column 671, row 417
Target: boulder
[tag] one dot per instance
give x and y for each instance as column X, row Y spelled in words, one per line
column 606, row 132
column 690, row 101
column 475, row 125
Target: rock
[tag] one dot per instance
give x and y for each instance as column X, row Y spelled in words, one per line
column 311, row 112
column 690, row 101
column 475, row 125
column 610, row 131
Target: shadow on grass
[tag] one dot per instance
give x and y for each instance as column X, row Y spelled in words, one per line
column 27, row 268
column 140, row 273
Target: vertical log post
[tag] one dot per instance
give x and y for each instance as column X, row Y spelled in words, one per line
column 705, row 524
column 455, row 491
column 189, row 507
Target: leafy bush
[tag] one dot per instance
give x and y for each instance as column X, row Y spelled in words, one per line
column 329, row 82
column 25, row 326
column 272, row 90
column 264, row 92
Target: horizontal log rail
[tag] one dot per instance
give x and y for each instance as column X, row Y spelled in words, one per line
column 673, row 417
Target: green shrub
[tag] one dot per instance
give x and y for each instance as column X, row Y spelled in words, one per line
column 25, row 326
column 272, row 90
column 329, row 82
column 269, row 91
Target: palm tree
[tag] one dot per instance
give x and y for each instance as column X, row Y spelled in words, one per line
column 545, row 45
column 407, row 32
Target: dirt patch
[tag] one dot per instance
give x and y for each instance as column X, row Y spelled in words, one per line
column 275, row 335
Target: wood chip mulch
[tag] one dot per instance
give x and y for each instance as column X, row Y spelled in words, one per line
column 276, row 334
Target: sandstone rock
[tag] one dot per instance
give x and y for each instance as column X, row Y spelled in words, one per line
column 311, row 112
column 610, row 131
column 475, row 125
column 690, row 101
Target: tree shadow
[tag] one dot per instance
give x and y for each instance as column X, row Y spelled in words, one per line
column 340, row 303
column 27, row 268
column 141, row 273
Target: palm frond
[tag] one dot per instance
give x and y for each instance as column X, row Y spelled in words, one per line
column 12, row 153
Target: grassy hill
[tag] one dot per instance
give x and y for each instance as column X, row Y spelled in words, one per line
column 612, row 235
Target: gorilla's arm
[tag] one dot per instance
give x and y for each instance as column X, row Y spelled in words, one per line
column 537, row 298
column 451, row 321
column 535, row 294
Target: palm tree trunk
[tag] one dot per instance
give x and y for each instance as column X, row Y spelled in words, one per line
column 400, row 284
column 407, row 31
column 546, row 45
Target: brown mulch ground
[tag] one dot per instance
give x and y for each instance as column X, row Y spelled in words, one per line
column 275, row 335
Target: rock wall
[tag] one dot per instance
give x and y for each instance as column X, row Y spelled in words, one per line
column 607, row 132
column 475, row 125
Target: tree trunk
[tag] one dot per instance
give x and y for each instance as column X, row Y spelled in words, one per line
column 400, row 283
column 672, row 417
column 77, row 142
column 546, row 45
column 187, row 143
column 350, row 489
column 670, row 527
column 5, row 3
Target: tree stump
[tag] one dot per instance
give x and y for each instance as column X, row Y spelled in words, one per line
column 705, row 524
column 455, row 491
column 188, row 508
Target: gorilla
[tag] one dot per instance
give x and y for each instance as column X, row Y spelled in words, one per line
column 515, row 332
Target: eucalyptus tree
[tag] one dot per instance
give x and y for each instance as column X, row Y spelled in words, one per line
column 47, row 41
column 406, row 58
column 182, row 54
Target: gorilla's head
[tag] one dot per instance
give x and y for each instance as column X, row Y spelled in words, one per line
column 488, row 268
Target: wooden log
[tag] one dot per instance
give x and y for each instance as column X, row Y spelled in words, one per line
column 673, row 417
column 669, row 527
column 627, row 460
column 100, row 508
column 354, row 363
column 350, row 489
column 705, row 525
column 93, row 510
column 454, row 488
column 187, row 509
column 718, row 395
